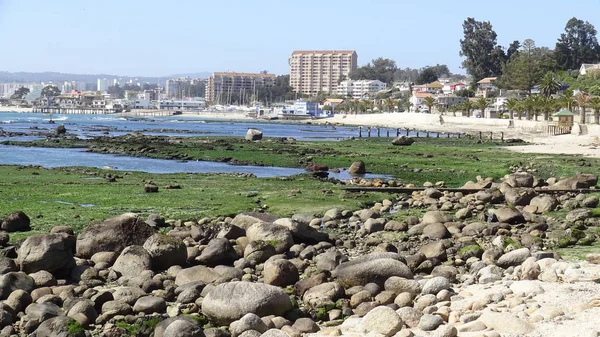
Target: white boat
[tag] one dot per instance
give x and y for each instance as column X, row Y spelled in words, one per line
column 288, row 112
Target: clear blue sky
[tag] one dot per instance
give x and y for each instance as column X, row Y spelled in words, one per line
column 157, row 37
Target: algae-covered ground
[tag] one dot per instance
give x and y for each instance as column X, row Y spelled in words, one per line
column 78, row 196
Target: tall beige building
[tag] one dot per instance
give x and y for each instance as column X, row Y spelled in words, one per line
column 314, row 71
column 230, row 87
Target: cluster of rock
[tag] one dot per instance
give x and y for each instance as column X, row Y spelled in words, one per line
column 346, row 272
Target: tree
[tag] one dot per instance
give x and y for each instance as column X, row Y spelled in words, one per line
column 482, row 54
column 429, row 102
column 513, row 48
column 582, row 100
column 389, row 104
column 577, row 45
column 466, row 92
column 567, row 100
column 378, row 69
column 523, row 70
column 50, row 90
column 467, row 106
column 116, row 91
column 427, row 75
column 512, row 105
column 549, row 84
column 482, row 103
column 20, row 93
column 595, row 105
column 547, row 105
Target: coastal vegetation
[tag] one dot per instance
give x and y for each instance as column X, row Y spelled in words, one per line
column 78, row 196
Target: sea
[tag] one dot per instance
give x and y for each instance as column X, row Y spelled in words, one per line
column 88, row 126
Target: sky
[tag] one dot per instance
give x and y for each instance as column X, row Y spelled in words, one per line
column 159, row 38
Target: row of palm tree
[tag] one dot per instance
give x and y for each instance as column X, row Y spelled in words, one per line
column 370, row 106
column 536, row 105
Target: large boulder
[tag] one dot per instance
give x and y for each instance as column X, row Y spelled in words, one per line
column 358, row 167
column 519, row 179
column 509, row 215
column 280, row 273
column 578, row 181
column 279, row 237
column 544, row 203
column 50, row 252
column 133, row 261
column 229, row 302
column 254, row 134
column 513, row 258
column 382, row 320
column 205, row 274
column 60, row 326
column 436, row 217
column 180, row 326
column 218, row 252
column 166, row 251
column 12, row 281
column 16, row 222
column 371, row 268
column 323, row 295
column 519, row 196
column 403, row 141
column 113, row 235
column 245, row 220
column 302, row 232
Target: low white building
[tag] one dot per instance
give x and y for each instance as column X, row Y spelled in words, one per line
column 359, row 88
column 417, row 100
column 180, row 105
column 586, row 67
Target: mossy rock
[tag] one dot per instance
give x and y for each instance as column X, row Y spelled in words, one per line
column 566, row 242
column 577, row 233
column 586, row 241
column 469, row 251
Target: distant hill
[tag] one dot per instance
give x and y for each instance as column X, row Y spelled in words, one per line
column 88, row 78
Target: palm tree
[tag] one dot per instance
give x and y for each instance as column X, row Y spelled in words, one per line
column 511, row 104
column 429, row 102
column 467, row 106
column 520, row 108
column 369, row 104
column 530, row 104
column 547, row 104
column 408, row 105
column 549, row 84
column 595, row 104
column 389, row 104
column 362, row 107
column 566, row 100
column 379, row 106
column 582, row 100
column 482, row 103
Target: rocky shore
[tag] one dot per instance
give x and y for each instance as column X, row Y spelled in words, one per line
column 480, row 264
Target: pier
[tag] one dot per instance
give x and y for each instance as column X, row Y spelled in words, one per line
column 81, row 111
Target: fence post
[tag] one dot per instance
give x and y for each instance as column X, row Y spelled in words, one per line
column 378, row 132
column 502, row 136
column 360, row 132
column 369, row 132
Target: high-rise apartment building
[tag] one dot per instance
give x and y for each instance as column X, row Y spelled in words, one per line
column 231, row 87
column 314, row 71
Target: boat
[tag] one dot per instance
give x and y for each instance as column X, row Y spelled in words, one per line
column 289, row 113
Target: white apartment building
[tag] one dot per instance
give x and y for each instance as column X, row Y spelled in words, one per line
column 180, row 87
column 69, row 86
column 102, row 84
column 314, row 71
column 359, row 88
column 7, row 89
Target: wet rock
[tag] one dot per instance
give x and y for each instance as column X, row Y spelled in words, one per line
column 253, row 135
column 357, row 167
column 16, row 222
column 403, row 141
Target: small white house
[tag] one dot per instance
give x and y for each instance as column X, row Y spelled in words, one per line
column 586, row 67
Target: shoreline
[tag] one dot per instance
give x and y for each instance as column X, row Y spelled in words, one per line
column 534, row 132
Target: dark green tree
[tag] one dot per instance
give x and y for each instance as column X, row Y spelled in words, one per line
column 378, row 69
column 116, row 91
column 20, row 93
column 50, row 90
column 523, row 71
column 427, row 75
column 577, row 45
column 483, row 57
column 513, row 48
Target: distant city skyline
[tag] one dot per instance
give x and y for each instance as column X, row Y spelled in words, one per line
column 154, row 38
